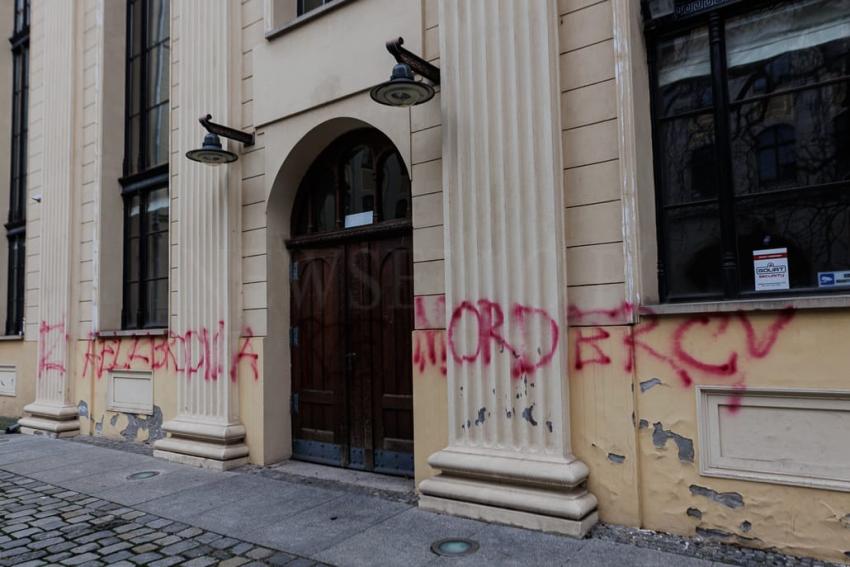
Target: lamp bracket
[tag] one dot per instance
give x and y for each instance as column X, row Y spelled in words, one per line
column 247, row 138
column 419, row 65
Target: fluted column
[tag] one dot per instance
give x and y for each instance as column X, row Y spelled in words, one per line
column 53, row 413
column 509, row 457
column 206, row 431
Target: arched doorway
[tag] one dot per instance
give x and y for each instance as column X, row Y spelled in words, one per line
column 351, row 308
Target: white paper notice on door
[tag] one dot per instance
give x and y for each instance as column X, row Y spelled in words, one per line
column 771, row 269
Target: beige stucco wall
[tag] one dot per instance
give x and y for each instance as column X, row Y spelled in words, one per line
column 22, row 355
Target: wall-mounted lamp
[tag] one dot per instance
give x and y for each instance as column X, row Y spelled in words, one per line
column 211, row 152
column 402, row 89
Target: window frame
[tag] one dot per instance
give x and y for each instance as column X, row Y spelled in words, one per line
column 145, row 178
column 714, row 18
column 16, row 221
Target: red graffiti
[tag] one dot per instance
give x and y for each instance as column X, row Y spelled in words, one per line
column 245, row 352
column 432, row 352
column 621, row 314
column 193, row 352
column 682, row 359
column 429, row 311
column 591, row 341
column 526, row 323
column 48, row 342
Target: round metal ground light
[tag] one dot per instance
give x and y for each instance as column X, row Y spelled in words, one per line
column 454, row 547
column 143, row 475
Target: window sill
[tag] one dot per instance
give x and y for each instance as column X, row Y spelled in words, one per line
column 11, row 338
column 774, row 304
column 305, row 18
column 132, row 333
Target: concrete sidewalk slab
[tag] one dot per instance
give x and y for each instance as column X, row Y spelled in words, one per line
column 402, row 540
column 319, row 527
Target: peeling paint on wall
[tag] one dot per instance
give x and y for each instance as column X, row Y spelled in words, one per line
column 615, row 458
column 660, row 436
column 528, row 416
column 152, row 424
column 83, row 408
column 649, row 384
column 710, row 533
column 729, row 499
column 694, row 513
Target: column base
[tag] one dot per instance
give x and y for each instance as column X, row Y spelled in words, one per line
column 50, row 421
column 564, row 526
column 205, row 445
column 546, row 494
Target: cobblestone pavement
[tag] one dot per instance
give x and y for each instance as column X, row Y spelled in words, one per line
column 48, row 525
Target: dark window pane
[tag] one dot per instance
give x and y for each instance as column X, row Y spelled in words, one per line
column 157, row 256
column 131, row 305
column 157, row 75
column 395, row 188
column 790, row 140
column 135, row 86
column 132, row 156
column 133, row 215
column 359, row 182
column 684, row 73
column 693, row 250
column 305, row 6
column 814, row 225
column 688, row 155
column 157, row 21
column 158, row 132
column 157, row 303
column 156, row 211
column 133, row 260
column 324, row 201
column 788, row 45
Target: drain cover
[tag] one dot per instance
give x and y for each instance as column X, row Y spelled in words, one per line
column 454, row 547
column 142, row 475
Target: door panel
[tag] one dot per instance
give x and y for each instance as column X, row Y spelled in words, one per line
column 317, row 370
column 352, row 369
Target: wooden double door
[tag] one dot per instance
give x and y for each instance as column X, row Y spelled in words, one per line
column 352, row 317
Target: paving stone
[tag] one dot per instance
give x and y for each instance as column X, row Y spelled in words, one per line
column 259, row 553
column 200, row 562
column 117, row 557
column 241, row 548
column 190, row 532
column 144, row 548
column 223, row 543
column 167, row 561
column 25, row 533
column 167, row 540
column 34, row 563
column 79, row 559
column 45, row 543
column 208, row 537
column 180, row 547
column 145, row 558
column 115, row 547
column 60, row 547
column 57, row 557
column 85, row 548
column 280, row 559
column 234, row 562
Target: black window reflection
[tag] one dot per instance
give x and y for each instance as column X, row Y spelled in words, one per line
column 767, row 168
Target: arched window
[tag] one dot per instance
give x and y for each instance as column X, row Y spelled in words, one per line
column 359, row 180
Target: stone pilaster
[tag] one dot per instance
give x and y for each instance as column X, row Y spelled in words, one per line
column 53, row 412
column 509, row 457
column 206, row 231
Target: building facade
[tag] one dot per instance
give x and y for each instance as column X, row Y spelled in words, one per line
column 602, row 274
